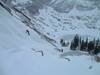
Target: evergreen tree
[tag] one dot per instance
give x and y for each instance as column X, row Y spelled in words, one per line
column 96, row 50
column 97, row 47
column 97, row 42
column 83, row 46
column 79, row 45
column 94, row 41
column 76, row 40
column 75, row 43
column 72, row 46
column 90, row 46
column 86, row 43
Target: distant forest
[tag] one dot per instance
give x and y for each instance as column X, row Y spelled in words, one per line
column 90, row 46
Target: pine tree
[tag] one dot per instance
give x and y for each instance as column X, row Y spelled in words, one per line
column 76, row 40
column 83, row 45
column 97, row 50
column 97, row 47
column 97, row 42
column 94, row 41
column 86, row 43
column 90, row 46
column 72, row 46
column 75, row 43
column 80, row 42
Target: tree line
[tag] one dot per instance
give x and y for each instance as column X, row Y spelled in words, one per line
column 91, row 46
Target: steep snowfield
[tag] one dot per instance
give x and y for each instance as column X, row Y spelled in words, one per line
column 64, row 6
column 18, row 58
column 56, row 24
column 13, row 31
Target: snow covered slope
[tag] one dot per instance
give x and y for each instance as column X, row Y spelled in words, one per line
column 19, row 52
column 56, row 24
column 62, row 6
column 12, row 31
column 57, row 18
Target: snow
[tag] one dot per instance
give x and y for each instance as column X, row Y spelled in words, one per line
column 18, row 58
column 26, row 63
column 56, row 25
column 21, row 1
